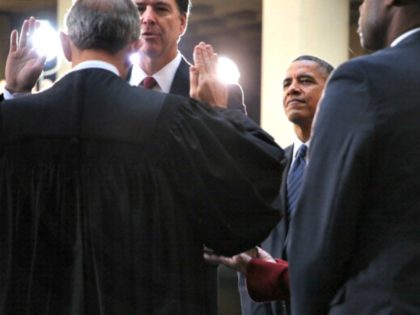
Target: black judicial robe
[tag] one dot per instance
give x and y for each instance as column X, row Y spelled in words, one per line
column 109, row 192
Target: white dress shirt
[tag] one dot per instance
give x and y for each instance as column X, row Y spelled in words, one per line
column 164, row 77
column 404, row 36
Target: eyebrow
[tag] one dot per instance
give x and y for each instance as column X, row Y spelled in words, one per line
column 300, row 76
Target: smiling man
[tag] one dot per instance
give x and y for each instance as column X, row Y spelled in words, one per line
column 355, row 242
column 302, row 89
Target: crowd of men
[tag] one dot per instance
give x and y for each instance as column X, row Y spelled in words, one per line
column 123, row 185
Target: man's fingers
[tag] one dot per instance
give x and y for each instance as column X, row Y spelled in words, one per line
column 28, row 28
column 193, row 82
column 13, row 41
column 206, row 59
column 210, row 59
column 199, row 61
column 217, row 260
column 211, row 259
column 23, row 38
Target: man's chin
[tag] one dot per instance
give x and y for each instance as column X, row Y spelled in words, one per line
column 150, row 51
column 297, row 118
column 150, row 47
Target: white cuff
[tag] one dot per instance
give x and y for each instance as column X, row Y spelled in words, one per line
column 9, row 96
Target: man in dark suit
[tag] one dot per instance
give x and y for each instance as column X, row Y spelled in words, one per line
column 109, row 192
column 163, row 22
column 302, row 89
column 355, row 241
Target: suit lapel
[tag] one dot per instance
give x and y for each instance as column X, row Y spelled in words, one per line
column 181, row 82
column 288, row 152
column 274, row 244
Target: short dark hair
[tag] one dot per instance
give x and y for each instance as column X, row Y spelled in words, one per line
column 325, row 66
column 184, row 7
column 103, row 24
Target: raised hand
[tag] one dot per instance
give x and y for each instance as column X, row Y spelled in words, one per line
column 23, row 64
column 204, row 82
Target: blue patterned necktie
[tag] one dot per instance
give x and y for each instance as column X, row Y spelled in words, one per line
column 295, row 178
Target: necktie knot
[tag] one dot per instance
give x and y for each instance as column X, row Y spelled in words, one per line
column 149, row 83
column 301, row 153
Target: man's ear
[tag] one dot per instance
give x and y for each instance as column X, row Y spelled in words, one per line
column 184, row 22
column 66, row 44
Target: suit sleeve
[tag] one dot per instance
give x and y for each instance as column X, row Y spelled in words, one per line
column 267, row 281
column 324, row 229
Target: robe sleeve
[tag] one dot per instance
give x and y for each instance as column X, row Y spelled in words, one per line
column 227, row 176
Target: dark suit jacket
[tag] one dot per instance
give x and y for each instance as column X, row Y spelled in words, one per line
column 275, row 244
column 355, row 238
column 268, row 281
column 108, row 193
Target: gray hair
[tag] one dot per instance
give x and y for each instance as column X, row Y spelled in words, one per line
column 103, row 24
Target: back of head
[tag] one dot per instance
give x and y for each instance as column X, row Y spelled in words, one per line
column 325, row 66
column 108, row 25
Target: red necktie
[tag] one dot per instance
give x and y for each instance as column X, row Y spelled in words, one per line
column 149, row 83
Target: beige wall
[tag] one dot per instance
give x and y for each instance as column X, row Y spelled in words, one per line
column 290, row 29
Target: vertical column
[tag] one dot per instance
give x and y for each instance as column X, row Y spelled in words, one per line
column 62, row 8
column 292, row 28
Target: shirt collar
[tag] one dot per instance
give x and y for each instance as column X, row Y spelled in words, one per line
column 164, row 77
column 89, row 64
column 404, row 36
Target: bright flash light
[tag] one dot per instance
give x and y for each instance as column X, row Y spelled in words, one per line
column 135, row 58
column 227, row 70
column 45, row 40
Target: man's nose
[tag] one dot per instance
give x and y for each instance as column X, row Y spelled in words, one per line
column 148, row 16
column 293, row 88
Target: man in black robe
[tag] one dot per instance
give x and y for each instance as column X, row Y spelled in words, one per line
column 109, row 192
